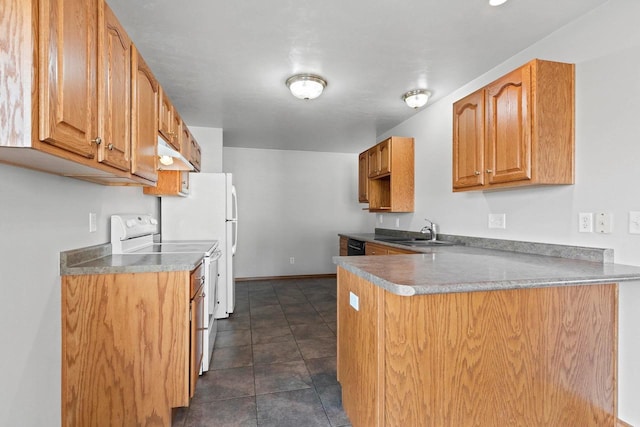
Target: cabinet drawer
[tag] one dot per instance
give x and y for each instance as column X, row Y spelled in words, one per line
column 197, row 280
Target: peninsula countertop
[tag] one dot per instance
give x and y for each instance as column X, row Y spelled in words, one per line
column 447, row 269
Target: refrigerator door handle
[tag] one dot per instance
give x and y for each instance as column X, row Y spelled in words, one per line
column 235, row 237
column 234, row 200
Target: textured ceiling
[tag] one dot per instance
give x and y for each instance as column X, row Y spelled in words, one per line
column 224, row 63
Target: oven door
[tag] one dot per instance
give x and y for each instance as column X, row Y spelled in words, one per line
column 210, row 303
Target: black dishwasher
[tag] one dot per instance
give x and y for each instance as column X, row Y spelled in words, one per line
column 355, row 247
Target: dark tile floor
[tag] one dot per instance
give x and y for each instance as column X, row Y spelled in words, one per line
column 274, row 361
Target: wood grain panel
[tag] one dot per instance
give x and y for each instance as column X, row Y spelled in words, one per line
column 402, row 177
column 363, row 177
column 534, row 357
column 144, row 118
column 468, row 141
column 359, row 358
column 509, row 127
column 17, row 41
column 553, row 120
column 344, row 246
column 68, row 55
column 125, row 347
column 114, row 90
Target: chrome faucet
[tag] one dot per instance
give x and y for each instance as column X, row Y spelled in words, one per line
column 432, row 228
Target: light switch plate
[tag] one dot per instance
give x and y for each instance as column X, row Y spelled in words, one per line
column 604, row 222
column 354, row 301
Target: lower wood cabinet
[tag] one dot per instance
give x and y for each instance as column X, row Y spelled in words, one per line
column 131, row 346
column 524, row 357
column 344, row 246
column 379, row 249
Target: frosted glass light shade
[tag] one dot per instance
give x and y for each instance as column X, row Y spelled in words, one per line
column 416, row 98
column 306, row 86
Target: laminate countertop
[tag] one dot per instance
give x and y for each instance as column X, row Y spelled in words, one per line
column 99, row 260
column 461, row 268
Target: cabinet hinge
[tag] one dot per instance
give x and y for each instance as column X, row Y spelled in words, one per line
column 190, row 312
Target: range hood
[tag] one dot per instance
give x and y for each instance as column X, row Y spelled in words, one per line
column 170, row 159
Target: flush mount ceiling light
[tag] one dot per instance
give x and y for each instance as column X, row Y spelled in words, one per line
column 497, row 2
column 306, row 86
column 416, row 98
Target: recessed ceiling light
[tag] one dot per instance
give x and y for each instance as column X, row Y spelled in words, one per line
column 497, row 2
column 416, row 98
column 306, row 86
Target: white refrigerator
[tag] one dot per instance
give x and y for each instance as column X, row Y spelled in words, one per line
column 209, row 212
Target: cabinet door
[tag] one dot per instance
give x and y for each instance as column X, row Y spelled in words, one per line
column 374, row 161
column 384, row 149
column 68, row 54
column 177, row 130
column 165, row 119
column 114, row 90
column 195, row 154
column 363, row 177
column 468, row 141
column 144, row 119
column 509, row 127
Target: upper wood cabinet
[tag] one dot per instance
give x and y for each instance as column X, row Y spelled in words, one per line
column 144, row 119
column 170, row 183
column 517, row 131
column 168, row 121
column 67, row 75
column 114, row 90
column 194, row 152
column 390, row 181
column 68, row 87
column 363, row 177
column 380, row 159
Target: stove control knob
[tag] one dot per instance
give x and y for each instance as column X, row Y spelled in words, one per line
column 130, row 223
column 154, row 221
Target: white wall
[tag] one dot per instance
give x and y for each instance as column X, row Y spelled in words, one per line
column 605, row 46
column 210, row 140
column 41, row 215
column 293, row 204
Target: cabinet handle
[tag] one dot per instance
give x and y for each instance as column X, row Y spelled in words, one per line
column 97, row 141
column 110, row 147
column 489, row 171
column 476, row 173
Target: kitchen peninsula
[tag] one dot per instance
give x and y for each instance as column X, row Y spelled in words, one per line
column 461, row 335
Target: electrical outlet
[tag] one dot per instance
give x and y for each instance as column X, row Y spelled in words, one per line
column 585, row 222
column 93, row 226
column 397, row 222
column 604, row 222
column 634, row 222
column 498, row 221
column 380, row 218
column 292, row 260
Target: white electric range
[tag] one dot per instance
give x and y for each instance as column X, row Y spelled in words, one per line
column 138, row 234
